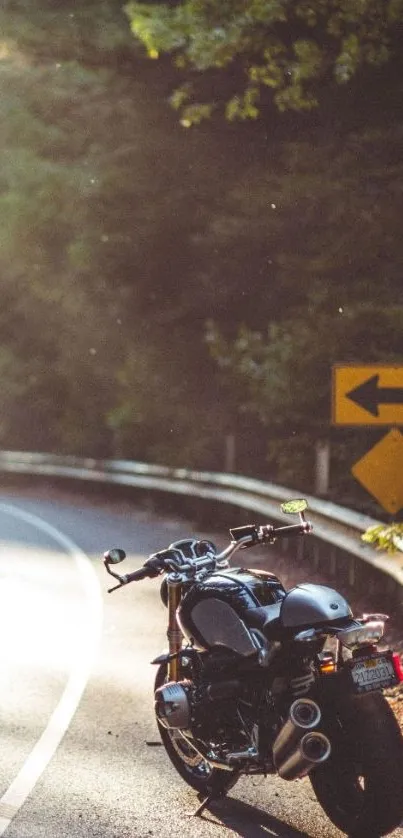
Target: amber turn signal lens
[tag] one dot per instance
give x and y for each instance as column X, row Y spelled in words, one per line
column 328, row 665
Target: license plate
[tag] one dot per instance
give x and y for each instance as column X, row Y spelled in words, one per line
column 374, row 673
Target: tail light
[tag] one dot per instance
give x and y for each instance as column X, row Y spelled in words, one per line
column 362, row 634
column 397, row 666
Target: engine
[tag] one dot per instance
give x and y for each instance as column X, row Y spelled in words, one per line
column 173, row 704
column 209, row 712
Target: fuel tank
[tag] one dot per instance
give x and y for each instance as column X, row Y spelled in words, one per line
column 214, row 612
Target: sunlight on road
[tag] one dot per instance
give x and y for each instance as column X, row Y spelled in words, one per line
column 40, row 621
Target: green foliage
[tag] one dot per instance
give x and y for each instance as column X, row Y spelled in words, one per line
column 94, row 200
column 285, row 373
column 294, row 49
column 55, row 385
column 121, row 235
column 314, row 227
column 284, row 377
column 95, row 34
column 385, row 537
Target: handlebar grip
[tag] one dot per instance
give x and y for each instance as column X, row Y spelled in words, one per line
column 293, row 529
column 136, row 575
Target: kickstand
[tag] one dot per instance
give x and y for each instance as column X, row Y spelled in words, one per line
column 200, row 809
column 216, row 796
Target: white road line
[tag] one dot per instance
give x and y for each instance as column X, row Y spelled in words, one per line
column 45, row 747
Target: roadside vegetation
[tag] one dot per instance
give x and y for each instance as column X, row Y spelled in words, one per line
column 176, row 277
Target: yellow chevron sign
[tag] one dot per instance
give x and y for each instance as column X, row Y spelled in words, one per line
column 380, row 471
column 367, row 395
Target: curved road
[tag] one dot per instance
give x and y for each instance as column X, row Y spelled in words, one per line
column 79, row 746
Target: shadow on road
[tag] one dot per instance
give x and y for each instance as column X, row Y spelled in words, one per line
column 249, row 821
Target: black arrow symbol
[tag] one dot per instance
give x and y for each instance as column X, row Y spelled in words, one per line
column 369, row 395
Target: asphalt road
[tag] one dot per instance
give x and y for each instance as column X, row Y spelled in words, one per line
column 78, row 741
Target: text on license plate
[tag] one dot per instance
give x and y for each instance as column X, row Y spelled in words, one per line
column 373, row 673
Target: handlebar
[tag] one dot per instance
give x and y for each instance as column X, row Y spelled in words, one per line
column 136, row 575
column 150, row 568
column 293, row 529
column 267, row 534
column 174, row 560
column 124, row 579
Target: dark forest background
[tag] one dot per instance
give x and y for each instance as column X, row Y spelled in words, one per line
column 165, row 290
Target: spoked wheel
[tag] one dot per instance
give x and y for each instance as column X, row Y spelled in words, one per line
column 191, row 766
column 360, row 787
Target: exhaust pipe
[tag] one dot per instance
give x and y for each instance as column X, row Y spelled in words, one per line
column 304, row 715
column 313, row 749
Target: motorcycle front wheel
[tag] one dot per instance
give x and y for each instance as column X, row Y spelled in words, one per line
column 360, row 787
column 196, row 771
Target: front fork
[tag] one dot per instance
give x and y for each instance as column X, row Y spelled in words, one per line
column 174, row 634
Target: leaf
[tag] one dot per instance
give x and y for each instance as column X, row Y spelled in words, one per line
column 384, row 537
column 290, row 48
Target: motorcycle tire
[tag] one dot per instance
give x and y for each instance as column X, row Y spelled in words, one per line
column 196, row 771
column 360, row 787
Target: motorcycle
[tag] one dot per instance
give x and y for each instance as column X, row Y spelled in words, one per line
column 261, row 680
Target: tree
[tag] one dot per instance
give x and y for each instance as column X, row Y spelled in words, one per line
column 101, row 200
column 57, row 374
column 94, row 34
column 233, row 51
column 284, row 377
column 122, row 235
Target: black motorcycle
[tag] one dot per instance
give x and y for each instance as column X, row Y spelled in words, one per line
column 261, row 680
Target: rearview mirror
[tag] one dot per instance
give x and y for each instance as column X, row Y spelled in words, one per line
column 114, row 556
column 295, row 506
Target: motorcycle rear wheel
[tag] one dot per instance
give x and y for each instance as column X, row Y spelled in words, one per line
column 196, row 771
column 360, row 787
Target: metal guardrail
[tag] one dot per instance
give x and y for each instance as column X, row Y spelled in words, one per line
column 335, row 527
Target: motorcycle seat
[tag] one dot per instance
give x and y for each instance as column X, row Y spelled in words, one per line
column 266, row 618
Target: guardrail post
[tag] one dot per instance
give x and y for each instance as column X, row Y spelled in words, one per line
column 351, row 572
column 333, row 561
column 322, row 467
column 229, row 460
column 300, row 550
column 316, row 555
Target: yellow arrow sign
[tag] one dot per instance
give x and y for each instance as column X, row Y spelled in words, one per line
column 368, row 395
column 380, row 471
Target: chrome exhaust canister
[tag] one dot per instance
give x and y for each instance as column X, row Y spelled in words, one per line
column 304, row 715
column 313, row 749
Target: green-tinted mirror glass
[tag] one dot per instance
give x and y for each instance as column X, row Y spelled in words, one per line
column 294, row 507
column 115, row 555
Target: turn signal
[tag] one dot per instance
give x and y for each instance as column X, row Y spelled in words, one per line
column 328, row 665
column 397, row 666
